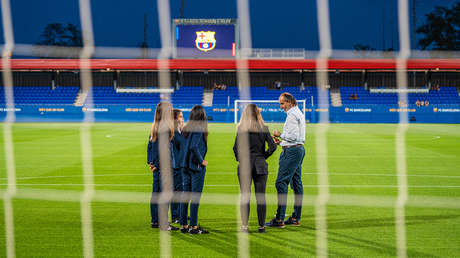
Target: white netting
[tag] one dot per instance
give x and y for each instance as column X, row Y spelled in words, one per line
column 320, row 201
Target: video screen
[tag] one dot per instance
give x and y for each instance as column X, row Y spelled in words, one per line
column 205, row 41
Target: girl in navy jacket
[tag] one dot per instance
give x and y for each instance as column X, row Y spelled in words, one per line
column 196, row 136
column 163, row 122
column 179, row 152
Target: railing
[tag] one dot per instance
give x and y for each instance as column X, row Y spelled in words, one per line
column 284, row 53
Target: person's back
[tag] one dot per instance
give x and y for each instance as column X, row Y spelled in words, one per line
column 253, row 134
column 257, row 142
column 196, row 136
column 163, row 116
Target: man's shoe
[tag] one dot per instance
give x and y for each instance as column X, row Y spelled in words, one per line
column 175, row 220
column 275, row 223
column 261, row 230
column 154, row 225
column 292, row 221
column 244, row 229
column 198, row 230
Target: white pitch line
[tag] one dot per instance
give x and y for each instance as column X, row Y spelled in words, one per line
column 234, row 173
column 270, row 186
column 355, row 186
column 77, row 176
column 421, row 201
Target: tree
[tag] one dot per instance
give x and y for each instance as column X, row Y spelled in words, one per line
column 441, row 29
column 364, row 51
column 57, row 34
column 359, row 47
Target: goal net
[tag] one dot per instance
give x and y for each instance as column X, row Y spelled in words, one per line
column 83, row 189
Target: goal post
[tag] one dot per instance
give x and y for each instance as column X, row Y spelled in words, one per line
column 269, row 109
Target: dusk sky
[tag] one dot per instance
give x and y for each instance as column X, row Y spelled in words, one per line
column 274, row 23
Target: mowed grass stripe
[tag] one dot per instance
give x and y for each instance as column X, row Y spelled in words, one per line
column 360, row 155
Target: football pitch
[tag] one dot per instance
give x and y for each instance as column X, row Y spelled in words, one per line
column 361, row 163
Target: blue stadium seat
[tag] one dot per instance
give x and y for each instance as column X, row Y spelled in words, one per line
column 194, row 95
column 42, row 95
column 446, row 95
column 108, row 95
column 263, row 93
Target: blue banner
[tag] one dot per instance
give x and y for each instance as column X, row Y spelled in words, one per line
column 225, row 113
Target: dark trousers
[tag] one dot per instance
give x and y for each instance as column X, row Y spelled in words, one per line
column 177, row 187
column 192, row 186
column 154, row 211
column 260, row 183
column 290, row 169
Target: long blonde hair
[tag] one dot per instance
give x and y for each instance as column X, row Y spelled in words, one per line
column 163, row 120
column 251, row 119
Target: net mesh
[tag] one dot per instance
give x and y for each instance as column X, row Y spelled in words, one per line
column 321, row 200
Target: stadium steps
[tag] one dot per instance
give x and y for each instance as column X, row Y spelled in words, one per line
column 81, row 97
column 336, row 98
column 208, row 95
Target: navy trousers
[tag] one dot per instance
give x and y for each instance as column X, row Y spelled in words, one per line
column 290, row 170
column 192, row 183
column 156, row 190
column 177, row 187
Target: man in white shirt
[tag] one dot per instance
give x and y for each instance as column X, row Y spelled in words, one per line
column 290, row 164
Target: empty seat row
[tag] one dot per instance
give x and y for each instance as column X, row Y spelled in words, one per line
column 445, row 95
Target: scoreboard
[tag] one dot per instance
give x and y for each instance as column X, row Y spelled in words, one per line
column 205, row 38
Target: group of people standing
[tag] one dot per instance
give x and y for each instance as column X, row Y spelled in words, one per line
column 188, row 146
column 187, row 149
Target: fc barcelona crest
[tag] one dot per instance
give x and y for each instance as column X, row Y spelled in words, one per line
column 205, row 40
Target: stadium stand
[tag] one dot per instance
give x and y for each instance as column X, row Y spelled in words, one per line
column 445, row 95
column 108, row 95
column 194, row 94
column 101, row 94
column 42, row 95
column 187, row 95
column 264, row 93
column 227, row 96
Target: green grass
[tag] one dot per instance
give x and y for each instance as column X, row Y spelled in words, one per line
column 361, row 161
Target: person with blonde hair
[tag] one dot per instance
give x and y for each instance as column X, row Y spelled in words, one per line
column 252, row 134
column 179, row 150
column 161, row 135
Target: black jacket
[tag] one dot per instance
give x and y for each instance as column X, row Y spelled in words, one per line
column 258, row 153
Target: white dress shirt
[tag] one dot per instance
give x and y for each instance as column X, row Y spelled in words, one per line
column 294, row 128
